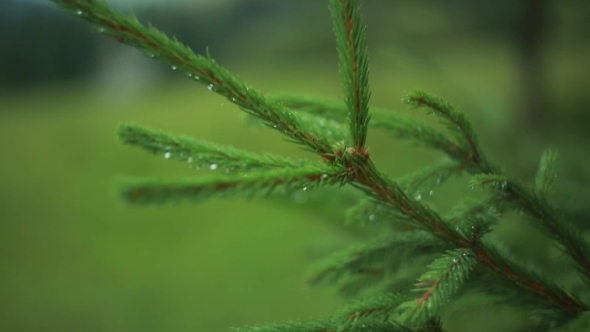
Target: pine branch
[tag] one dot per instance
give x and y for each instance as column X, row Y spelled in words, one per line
column 368, row 258
column 353, row 165
column 471, row 159
column 544, row 216
column 352, row 50
column 259, row 183
column 155, row 44
column 199, row 154
column 395, row 124
column 455, row 121
column 438, row 284
column 545, row 292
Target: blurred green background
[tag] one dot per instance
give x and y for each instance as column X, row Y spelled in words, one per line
column 74, row 258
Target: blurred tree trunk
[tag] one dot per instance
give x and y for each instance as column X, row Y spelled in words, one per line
column 533, row 98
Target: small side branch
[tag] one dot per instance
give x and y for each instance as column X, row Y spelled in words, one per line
column 262, row 183
column 352, row 50
column 153, row 43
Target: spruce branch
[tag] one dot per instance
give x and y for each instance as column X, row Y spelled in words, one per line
column 128, row 30
column 379, row 308
column 256, row 183
column 395, row 124
column 200, row 153
column 546, row 173
column 551, row 222
column 353, row 165
column 454, row 120
column 352, row 50
column 547, row 293
column 332, row 130
column 544, row 216
column 438, row 284
column 369, row 258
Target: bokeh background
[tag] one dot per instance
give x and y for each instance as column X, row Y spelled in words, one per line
column 74, row 258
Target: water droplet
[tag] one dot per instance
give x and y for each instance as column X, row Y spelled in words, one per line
column 210, row 87
column 79, row 12
column 233, row 99
column 419, row 197
column 190, row 159
column 431, row 192
column 197, row 77
column 372, row 217
column 213, row 167
column 167, row 155
column 305, row 188
column 173, row 67
column 189, row 75
column 324, row 176
column 100, row 30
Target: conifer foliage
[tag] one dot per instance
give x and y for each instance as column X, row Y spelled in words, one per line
column 461, row 255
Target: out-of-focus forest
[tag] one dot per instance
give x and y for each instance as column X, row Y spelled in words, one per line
column 75, row 258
